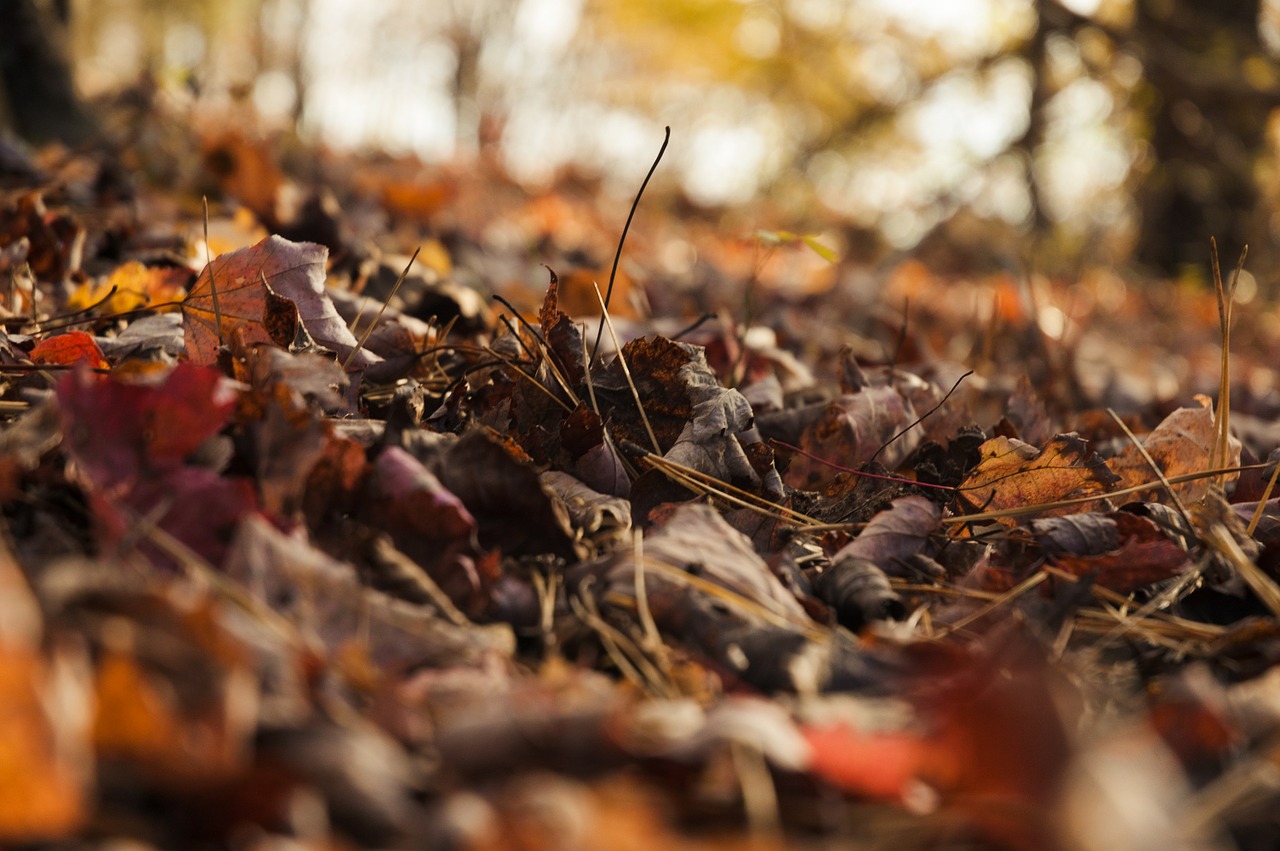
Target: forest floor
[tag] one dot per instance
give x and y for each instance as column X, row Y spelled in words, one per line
column 302, row 550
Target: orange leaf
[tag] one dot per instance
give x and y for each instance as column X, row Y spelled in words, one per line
column 43, row 755
column 873, row 765
column 70, row 348
column 1013, row 474
column 139, row 286
column 1179, row 445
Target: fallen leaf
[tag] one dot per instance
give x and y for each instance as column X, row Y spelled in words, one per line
column 244, row 282
column 70, row 347
column 44, row 756
column 1179, row 445
column 849, row 431
column 136, row 286
column 118, row 431
column 1136, row 554
column 878, row 765
column 894, row 535
column 1013, row 474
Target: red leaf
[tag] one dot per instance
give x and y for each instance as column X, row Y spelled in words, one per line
column 70, row 348
column 117, row 431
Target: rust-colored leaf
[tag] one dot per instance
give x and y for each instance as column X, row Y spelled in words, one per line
column 1142, row 555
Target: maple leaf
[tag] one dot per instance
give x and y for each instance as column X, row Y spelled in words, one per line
column 237, row 289
column 131, row 444
column 117, row 430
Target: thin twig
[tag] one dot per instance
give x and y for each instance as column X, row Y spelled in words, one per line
column 626, row 371
column 351, row 356
column 613, row 273
column 213, row 288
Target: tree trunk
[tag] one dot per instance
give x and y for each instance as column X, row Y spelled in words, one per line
column 35, row 78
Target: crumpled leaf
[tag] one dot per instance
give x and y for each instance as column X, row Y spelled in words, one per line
column 849, row 430
column 1013, row 474
column 495, row 487
column 1179, row 445
column 697, row 422
column 601, row 519
column 896, row 534
column 1122, row 550
column 595, row 460
column 709, row 442
column 292, row 270
column 858, row 591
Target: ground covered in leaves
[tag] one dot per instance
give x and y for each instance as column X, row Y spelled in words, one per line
column 303, row 551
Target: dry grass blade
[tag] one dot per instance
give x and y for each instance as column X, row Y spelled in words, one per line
column 999, row 602
column 1241, row 792
column 1226, row 299
column 534, row 381
column 629, row 657
column 1155, row 468
column 1222, row 542
column 652, row 639
column 708, row 485
column 622, row 361
column 1262, row 503
column 544, row 350
column 1137, row 621
column 213, row 285
column 364, row 338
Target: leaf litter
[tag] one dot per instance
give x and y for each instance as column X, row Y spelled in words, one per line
column 755, row 580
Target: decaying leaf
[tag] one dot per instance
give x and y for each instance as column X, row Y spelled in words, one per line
column 1119, row 550
column 849, row 431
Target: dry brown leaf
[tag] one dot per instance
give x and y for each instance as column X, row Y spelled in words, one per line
column 1179, row 445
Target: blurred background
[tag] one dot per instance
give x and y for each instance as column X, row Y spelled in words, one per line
column 1014, row 133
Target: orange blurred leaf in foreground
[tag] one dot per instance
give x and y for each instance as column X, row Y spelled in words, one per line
column 1013, row 474
column 873, row 765
column 190, row 730
column 70, row 348
column 43, row 761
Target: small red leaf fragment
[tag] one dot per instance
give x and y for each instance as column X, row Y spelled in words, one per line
column 70, row 348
